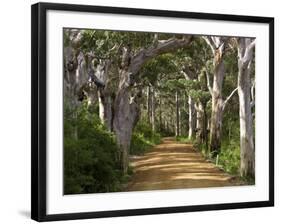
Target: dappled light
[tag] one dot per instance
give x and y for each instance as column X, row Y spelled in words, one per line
column 173, row 165
column 145, row 111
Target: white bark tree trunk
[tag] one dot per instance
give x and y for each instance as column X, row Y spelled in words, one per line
column 149, row 104
column 200, row 124
column 177, row 125
column 101, row 107
column 191, row 109
column 160, row 114
column 217, row 45
column 153, row 107
column 247, row 149
column 191, row 118
column 105, row 109
column 100, row 77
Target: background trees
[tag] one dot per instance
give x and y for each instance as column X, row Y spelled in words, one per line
column 143, row 85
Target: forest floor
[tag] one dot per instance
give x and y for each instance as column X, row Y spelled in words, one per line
column 174, row 165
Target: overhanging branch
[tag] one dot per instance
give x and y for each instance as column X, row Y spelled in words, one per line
column 162, row 47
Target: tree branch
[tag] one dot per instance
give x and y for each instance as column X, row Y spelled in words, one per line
column 162, row 47
column 210, row 42
column 208, row 82
column 248, row 55
column 188, row 75
column 245, row 49
column 228, row 98
column 196, row 107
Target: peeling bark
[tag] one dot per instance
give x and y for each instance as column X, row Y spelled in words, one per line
column 74, row 74
column 126, row 115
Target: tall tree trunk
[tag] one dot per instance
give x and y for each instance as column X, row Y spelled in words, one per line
column 217, row 45
column 217, row 108
column 180, row 133
column 189, row 75
column 200, row 126
column 126, row 114
column 160, row 114
column 191, row 118
column 99, row 76
column 105, row 109
column 149, row 104
column 101, row 107
column 75, row 77
column 177, row 125
column 247, row 150
column 152, row 108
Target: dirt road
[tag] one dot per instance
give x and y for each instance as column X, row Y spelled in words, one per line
column 172, row 165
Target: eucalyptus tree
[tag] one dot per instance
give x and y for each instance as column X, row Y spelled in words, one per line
column 128, row 52
column 154, row 75
column 75, row 76
column 74, row 66
column 190, row 76
column 246, row 48
column 133, row 58
column 102, row 48
column 218, row 46
column 195, row 63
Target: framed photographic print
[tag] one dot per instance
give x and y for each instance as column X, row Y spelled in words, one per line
column 139, row 111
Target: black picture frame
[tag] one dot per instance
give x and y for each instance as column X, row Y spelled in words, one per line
column 38, row 110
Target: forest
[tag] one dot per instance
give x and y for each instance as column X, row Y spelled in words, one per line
column 149, row 111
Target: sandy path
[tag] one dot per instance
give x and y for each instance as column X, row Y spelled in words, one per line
column 172, row 165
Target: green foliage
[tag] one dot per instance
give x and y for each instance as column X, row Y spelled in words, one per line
column 90, row 150
column 229, row 158
column 90, row 163
column 99, row 41
column 184, row 139
column 143, row 138
column 162, row 64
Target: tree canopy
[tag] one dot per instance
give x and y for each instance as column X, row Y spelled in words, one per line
column 133, row 88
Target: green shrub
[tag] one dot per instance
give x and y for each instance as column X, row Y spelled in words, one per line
column 143, row 138
column 90, row 163
column 229, row 157
column 184, row 139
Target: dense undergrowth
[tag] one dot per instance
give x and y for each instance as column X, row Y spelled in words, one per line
column 143, row 138
column 91, row 152
column 229, row 157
